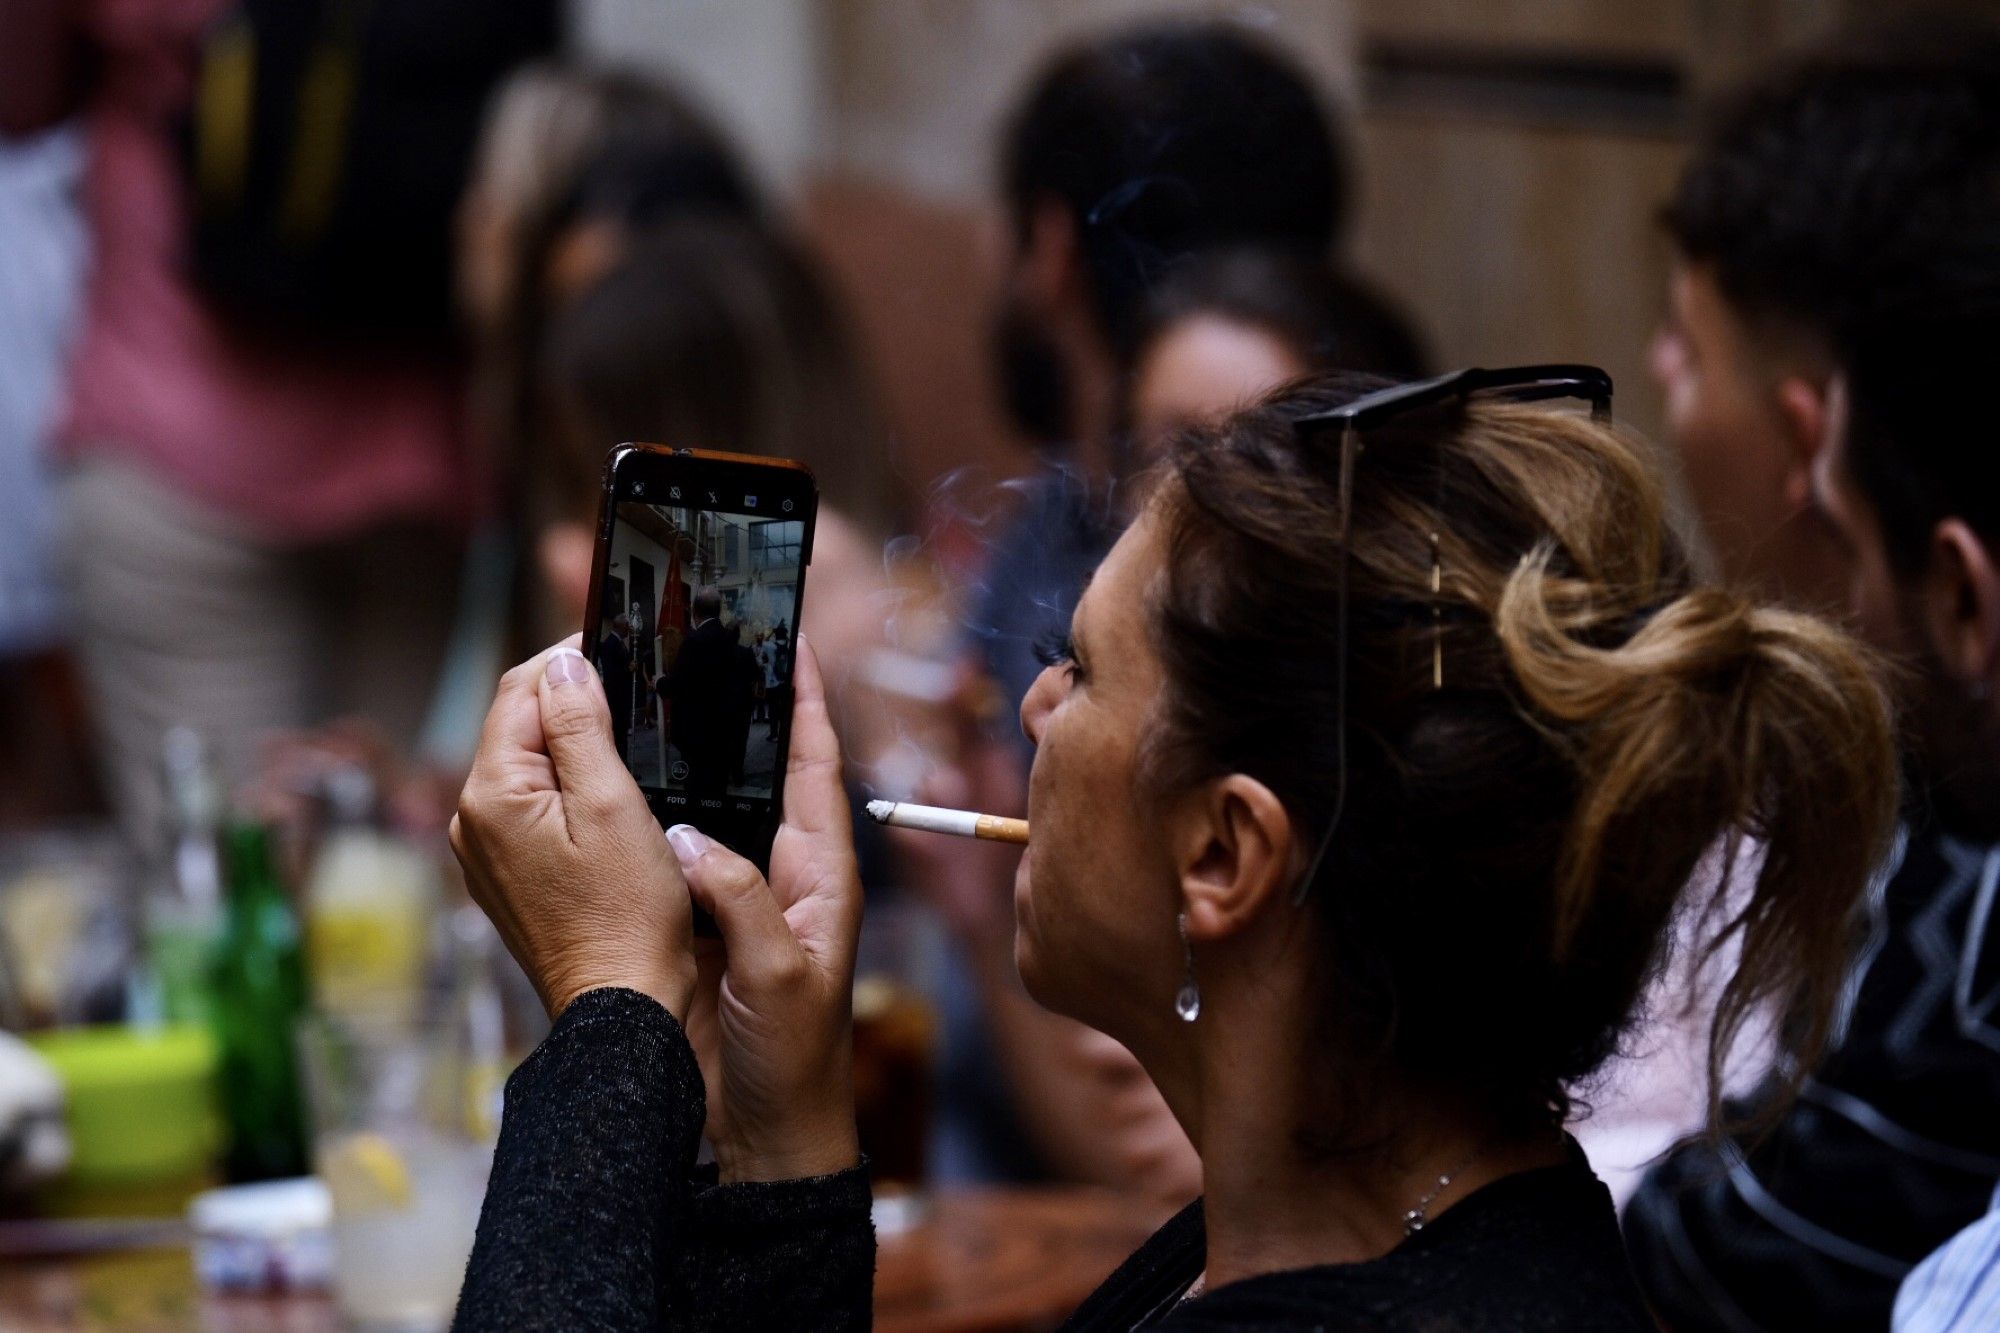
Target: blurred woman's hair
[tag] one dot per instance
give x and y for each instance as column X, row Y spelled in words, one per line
column 714, row 335
column 1515, row 842
column 567, row 141
column 568, row 147
column 564, row 145
column 1328, row 319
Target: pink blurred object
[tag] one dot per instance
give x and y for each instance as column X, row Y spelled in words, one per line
column 297, row 448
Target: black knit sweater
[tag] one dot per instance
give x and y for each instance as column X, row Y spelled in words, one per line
column 596, row 1217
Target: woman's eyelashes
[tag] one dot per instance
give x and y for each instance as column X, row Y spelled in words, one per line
column 1059, row 650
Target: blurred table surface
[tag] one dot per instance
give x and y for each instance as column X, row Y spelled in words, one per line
column 976, row 1260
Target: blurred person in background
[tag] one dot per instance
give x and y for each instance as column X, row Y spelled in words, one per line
column 720, row 333
column 647, row 152
column 550, row 126
column 1125, row 156
column 1224, row 329
column 573, row 161
column 566, row 149
column 1836, row 312
column 42, row 264
column 43, row 252
column 267, row 487
column 624, row 280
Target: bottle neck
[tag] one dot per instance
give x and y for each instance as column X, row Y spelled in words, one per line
column 252, row 868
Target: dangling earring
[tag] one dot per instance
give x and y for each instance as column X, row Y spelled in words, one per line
column 1187, row 1002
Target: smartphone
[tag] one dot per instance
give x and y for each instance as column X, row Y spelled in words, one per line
column 699, row 581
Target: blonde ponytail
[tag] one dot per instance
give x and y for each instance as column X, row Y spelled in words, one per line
column 1712, row 714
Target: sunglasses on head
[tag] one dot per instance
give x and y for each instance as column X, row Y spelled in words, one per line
column 1350, row 421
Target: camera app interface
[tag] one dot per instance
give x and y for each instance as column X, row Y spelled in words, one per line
column 696, row 645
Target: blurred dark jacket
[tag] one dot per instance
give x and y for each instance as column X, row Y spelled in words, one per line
column 1893, row 1146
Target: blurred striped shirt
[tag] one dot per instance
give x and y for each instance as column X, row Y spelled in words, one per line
column 1957, row 1289
column 1891, row 1148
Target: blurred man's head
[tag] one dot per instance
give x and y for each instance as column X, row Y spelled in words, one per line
column 1818, row 231
column 1125, row 155
column 707, row 604
column 1844, row 222
column 621, row 624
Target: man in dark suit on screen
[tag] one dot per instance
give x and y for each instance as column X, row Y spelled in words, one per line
column 614, row 668
column 701, row 688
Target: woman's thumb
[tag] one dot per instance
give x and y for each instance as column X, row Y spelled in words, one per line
column 759, row 939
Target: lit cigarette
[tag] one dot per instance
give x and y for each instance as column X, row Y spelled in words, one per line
column 964, row 823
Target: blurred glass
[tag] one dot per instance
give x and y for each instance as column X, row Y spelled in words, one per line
column 184, row 891
column 403, row 1136
column 67, row 928
column 895, row 1046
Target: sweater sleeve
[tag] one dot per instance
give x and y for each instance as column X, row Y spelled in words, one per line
column 796, row 1254
column 588, row 1198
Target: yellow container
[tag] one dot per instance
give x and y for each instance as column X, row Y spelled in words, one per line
column 142, row 1116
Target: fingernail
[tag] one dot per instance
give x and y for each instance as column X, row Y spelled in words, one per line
column 567, row 667
column 688, row 842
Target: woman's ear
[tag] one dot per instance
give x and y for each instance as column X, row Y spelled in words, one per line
column 1962, row 604
column 566, row 551
column 1233, row 845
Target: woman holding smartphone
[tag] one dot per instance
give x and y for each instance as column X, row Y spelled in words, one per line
column 1365, row 794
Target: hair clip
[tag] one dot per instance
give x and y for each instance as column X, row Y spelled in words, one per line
column 1437, row 616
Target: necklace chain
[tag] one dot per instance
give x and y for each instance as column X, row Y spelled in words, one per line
column 1419, row 1217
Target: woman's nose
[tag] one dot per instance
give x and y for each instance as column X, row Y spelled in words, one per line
column 1037, row 703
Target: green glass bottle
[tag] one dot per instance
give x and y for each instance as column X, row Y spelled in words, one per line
column 259, row 991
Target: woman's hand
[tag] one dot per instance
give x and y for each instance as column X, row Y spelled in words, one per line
column 772, row 1019
column 560, row 849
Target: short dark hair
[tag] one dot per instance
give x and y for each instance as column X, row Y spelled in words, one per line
column 1855, row 194
column 1330, row 319
column 1169, row 138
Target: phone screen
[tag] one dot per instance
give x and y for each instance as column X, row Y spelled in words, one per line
column 702, row 614
column 694, row 631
